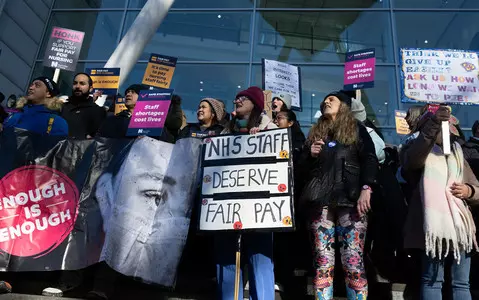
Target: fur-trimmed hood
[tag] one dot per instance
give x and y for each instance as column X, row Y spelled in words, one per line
column 54, row 103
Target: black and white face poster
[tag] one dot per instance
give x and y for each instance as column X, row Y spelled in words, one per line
column 67, row 204
column 63, row 49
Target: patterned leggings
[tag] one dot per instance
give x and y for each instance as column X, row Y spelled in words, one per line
column 350, row 230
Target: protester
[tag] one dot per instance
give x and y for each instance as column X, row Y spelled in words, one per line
column 471, row 149
column 287, row 119
column 439, row 221
column 248, row 118
column 288, row 258
column 197, row 256
column 210, row 113
column 40, row 113
column 248, row 115
column 341, row 165
column 84, row 117
column 281, row 102
column 117, row 126
column 359, row 112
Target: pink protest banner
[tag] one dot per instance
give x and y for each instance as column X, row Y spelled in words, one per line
column 359, row 69
column 150, row 112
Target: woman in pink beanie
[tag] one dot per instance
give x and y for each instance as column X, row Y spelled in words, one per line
column 258, row 247
column 248, row 114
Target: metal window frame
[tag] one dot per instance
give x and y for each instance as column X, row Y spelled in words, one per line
column 391, row 10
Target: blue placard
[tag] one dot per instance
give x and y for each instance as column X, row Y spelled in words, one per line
column 105, row 79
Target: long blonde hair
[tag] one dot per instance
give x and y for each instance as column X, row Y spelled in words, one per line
column 343, row 129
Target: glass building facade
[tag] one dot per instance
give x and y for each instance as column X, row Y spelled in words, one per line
column 220, row 44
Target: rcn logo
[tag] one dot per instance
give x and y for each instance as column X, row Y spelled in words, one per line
column 54, row 64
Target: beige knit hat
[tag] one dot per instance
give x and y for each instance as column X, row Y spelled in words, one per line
column 217, row 107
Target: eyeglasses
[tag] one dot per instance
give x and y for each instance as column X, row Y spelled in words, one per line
column 241, row 99
column 278, row 118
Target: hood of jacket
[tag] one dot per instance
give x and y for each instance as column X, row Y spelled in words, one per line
column 54, row 104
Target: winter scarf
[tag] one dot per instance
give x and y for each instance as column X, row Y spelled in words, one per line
column 447, row 220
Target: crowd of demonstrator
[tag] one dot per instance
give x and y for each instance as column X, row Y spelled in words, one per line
column 358, row 202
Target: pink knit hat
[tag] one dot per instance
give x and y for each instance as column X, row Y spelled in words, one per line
column 255, row 94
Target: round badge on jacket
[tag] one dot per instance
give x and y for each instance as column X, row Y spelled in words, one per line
column 332, row 144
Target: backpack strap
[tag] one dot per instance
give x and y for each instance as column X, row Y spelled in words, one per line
column 50, row 124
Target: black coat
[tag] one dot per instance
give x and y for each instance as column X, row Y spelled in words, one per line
column 117, row 127
column 338, row 174
column 471, row 154
column 194, row 130
column 84, row 118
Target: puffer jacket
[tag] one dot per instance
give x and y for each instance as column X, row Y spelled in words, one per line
column 336, row 176
column 43, row 118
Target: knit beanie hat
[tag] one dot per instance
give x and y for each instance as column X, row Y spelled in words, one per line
column 137, row 88
column 343, row 97
column 358, row 110
column 216, row 107
column 286, row 98
column 255, row 94
column 50, row 84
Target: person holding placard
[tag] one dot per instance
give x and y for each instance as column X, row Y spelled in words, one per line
column 248, row 115
column 439, row 221
column 117, row 126
column 210, row 113
column 340, row 164
column 248, row 118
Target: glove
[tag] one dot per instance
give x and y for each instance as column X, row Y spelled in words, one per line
column 443, row 114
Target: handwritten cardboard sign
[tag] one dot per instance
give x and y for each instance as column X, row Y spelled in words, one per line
column 63, row 49
column 359, row 69
column 105, row 79
column 150, row 113
column 247, row 182
column 402, row 127
column 159, row 71
column 439, row 76
column 283, row 78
